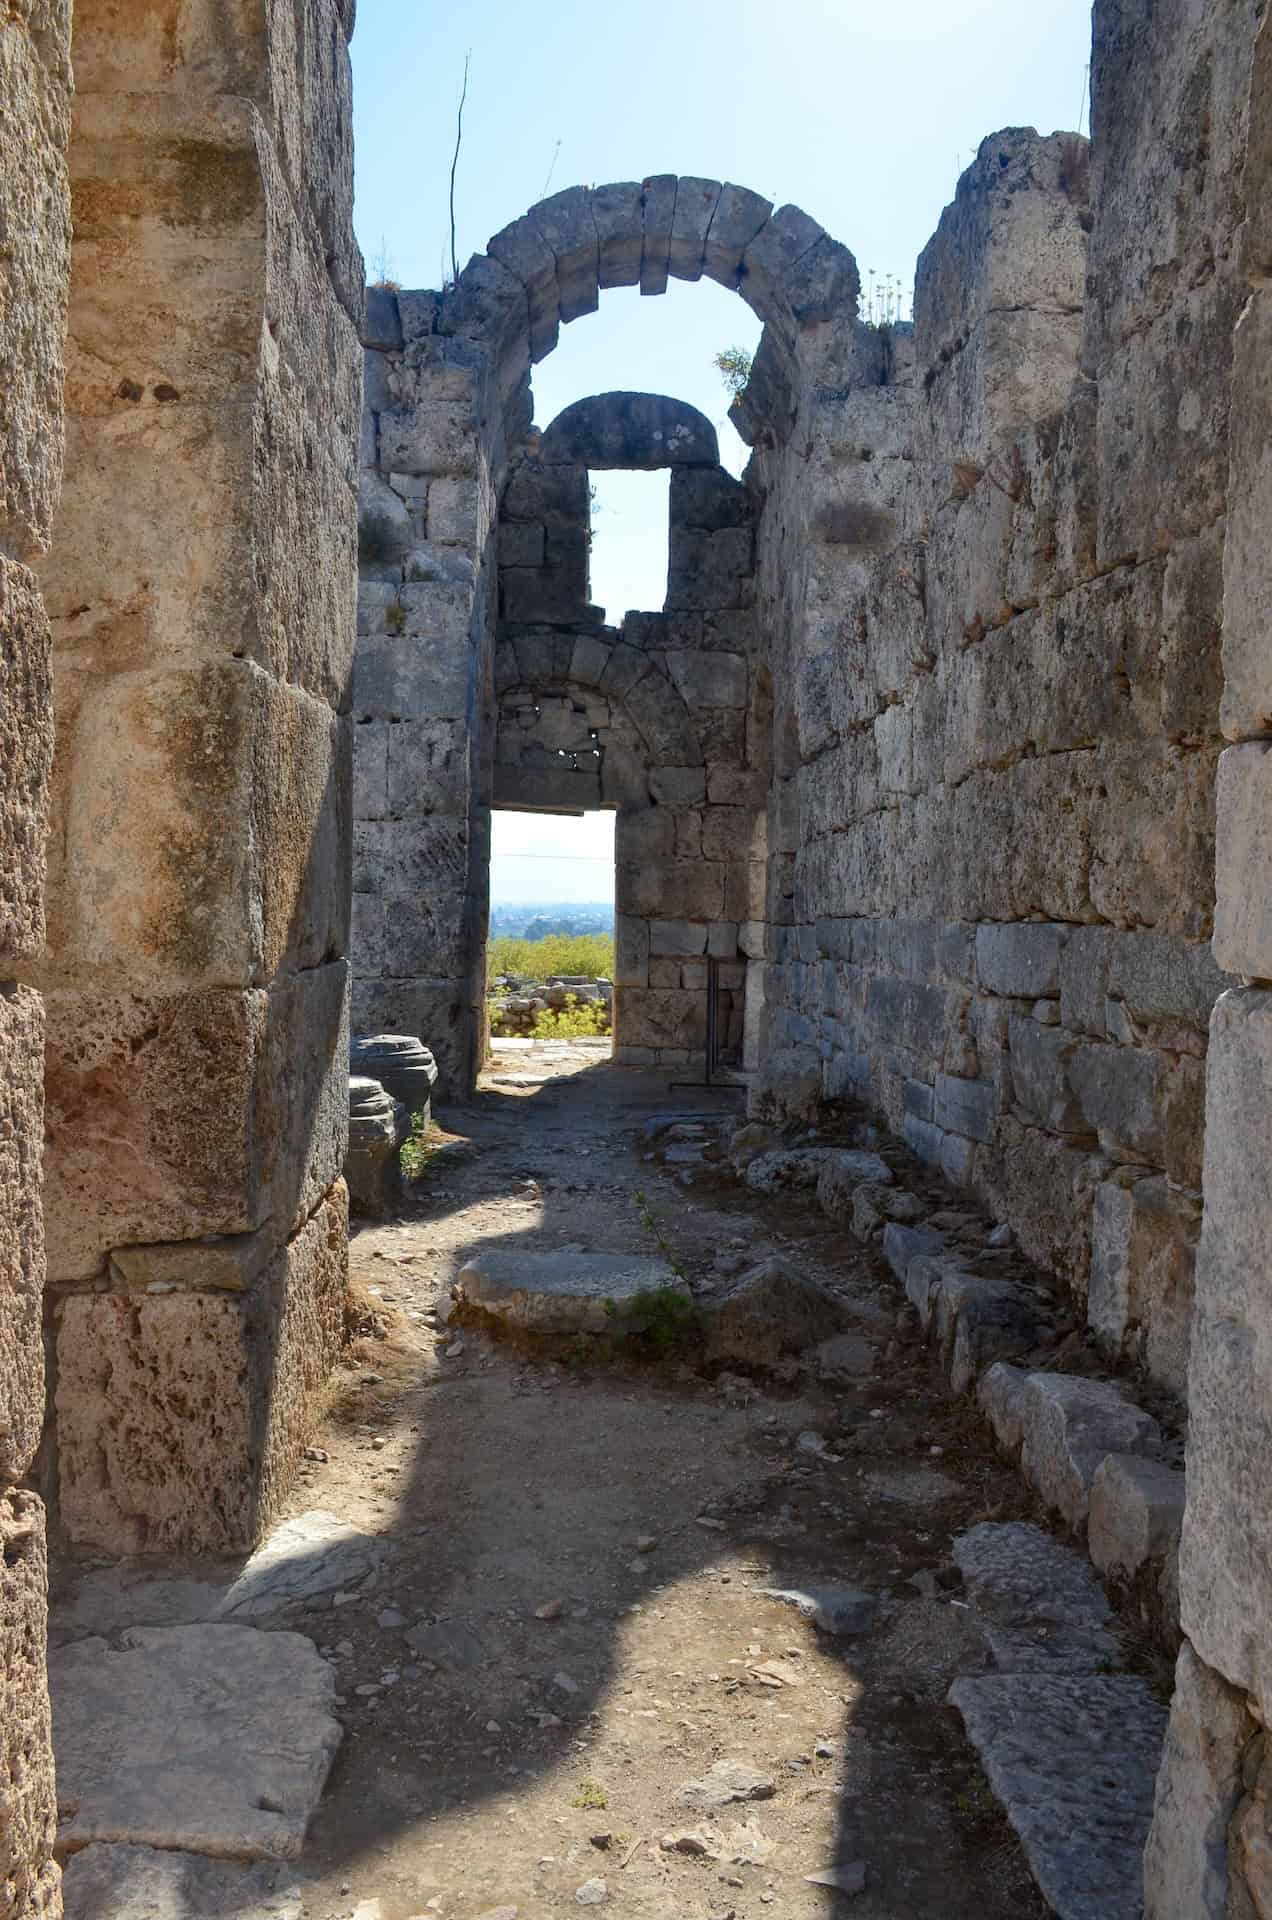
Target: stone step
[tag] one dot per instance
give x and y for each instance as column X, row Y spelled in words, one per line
column 1073, row 1759
column 118, row 1882
column 568, row 1290
column 217, row 1739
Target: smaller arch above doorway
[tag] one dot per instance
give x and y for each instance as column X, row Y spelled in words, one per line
column 639, row 432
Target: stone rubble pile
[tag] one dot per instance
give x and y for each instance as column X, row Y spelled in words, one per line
column 517, row 1004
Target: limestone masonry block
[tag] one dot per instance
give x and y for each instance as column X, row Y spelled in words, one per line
column 1162, row 425
column 1012, row 239
column 203, row 438
column 1137, row 1509
column 1163, row 220
column 29, row 1879
column 1247, row 580
column 738, row 217
column 1225, row 1592
column 35, row 218
column 1198, row 1787
column 26, row 758
column 566, row 223
column 1243, row 855
column 696, row 203
column 1069, row 1427
column 21, row 1230
column 171, row 1117
column 181, row 1416
column 658, row 208
column 1143, row 1253
column 203, row 823
column 1022, row 960
column 616, row 209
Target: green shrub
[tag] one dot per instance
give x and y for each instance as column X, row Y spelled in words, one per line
column 590, row 954
column 415, row 1152
column 576, row 1020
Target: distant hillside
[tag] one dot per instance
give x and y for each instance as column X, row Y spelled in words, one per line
column 540, row 919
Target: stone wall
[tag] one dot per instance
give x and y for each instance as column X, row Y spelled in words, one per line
column 999, row 711
column 35, row 81
column 200, row 587
column 1210, row 1851
column 474, row 532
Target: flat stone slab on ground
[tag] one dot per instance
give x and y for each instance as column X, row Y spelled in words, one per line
column 835, row 1610
column 216, row 1739
column 1037, row 1602
column 147, row 1883
column 724, row 1783
column 1073, row 1759
column 303, row 1560
column 563, row 1291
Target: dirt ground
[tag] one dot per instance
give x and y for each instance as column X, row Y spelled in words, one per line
column 586, row 1546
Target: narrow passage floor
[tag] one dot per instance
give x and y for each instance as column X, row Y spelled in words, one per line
column 559, row 1679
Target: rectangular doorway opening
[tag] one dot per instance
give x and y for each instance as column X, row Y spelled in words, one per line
column 550, row 949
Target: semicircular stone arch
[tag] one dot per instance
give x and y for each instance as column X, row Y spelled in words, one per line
column 474, row 539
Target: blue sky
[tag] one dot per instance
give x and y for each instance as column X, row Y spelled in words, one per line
column 861, row 113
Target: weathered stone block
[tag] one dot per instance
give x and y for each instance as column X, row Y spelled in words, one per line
column 429, row 768
column 1039, row 1062
column 28, row 1806
column 1198, row 1787
column 1136, row 1511
column 181, row 1417
column 616, row 210
column 1001, row 1397
column 1070, row 1425
column 671, row 1018
column 965, row 1106
column 1225, row 1592
column 565, row 221
column 21, row 1235
column 197, row 474
column 709, row 679
column 1143, row 1251
column 26, row 757
column 709, row 569
column 403, row 678
column 1243, row 860
column 1020, row 960
column 696, row 202
column 678, row 937
column 1163, row 424
column 739, row 215
column 1013, row 238
column 171, row 1117
column 1122, row 1092
column 202, row 827
column 523, row 250
column 35, row 214
column 658, row 209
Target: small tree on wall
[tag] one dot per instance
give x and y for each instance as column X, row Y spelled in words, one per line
column 734, row 365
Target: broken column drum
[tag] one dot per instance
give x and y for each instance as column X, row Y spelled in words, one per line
column 378, row 1124
column 403, row 1065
